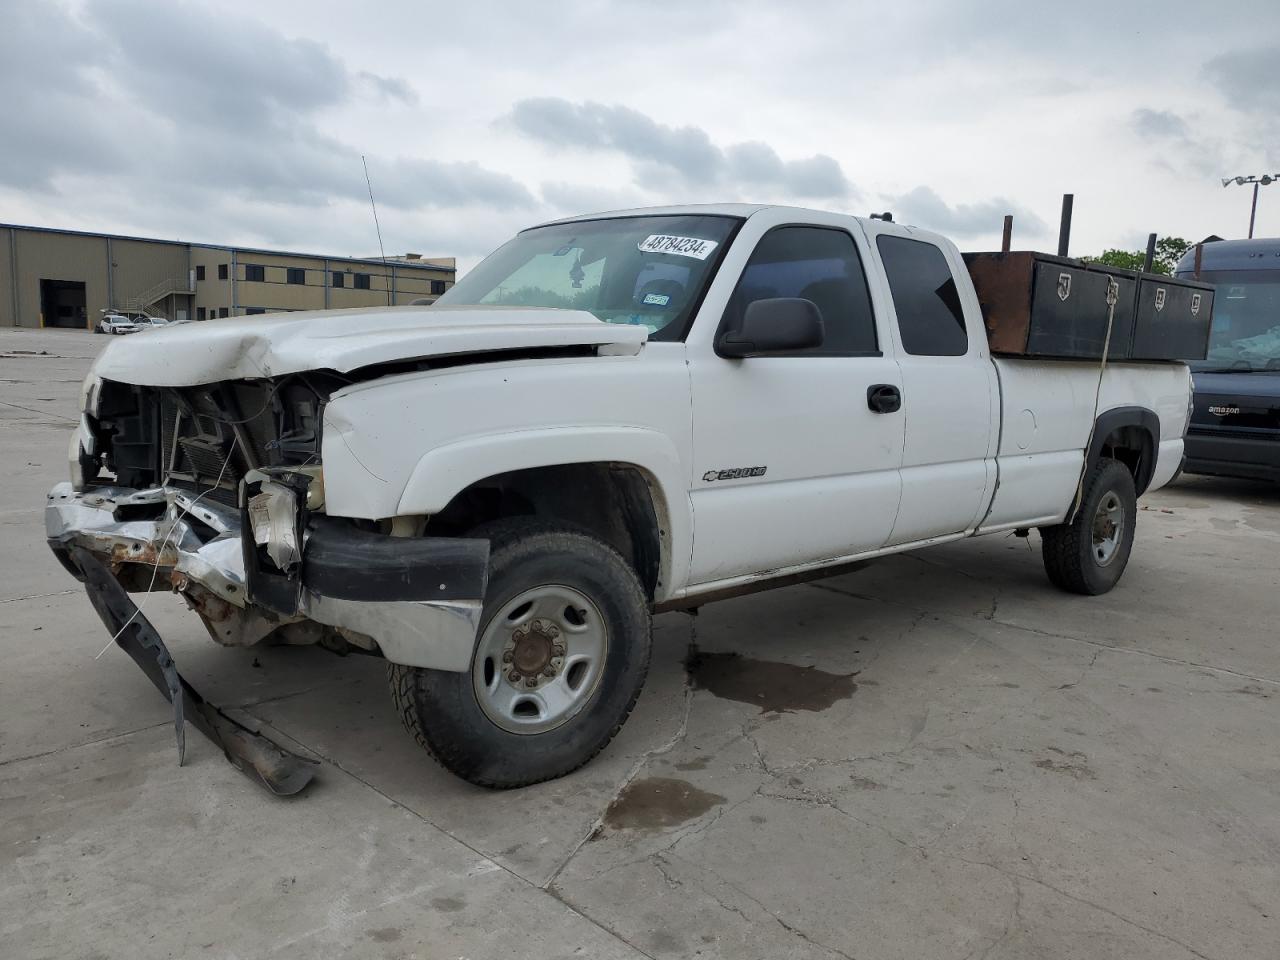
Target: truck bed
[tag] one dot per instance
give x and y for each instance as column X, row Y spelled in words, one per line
column 1043, row 436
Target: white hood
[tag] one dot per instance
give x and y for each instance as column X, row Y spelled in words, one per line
column 242, row 348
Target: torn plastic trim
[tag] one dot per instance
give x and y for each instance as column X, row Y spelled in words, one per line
column 261, row 759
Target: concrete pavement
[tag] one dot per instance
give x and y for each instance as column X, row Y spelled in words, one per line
column 939, row 756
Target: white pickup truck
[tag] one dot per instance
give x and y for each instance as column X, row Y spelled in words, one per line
column 609, row 416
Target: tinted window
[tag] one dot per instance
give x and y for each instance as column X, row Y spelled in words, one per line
column 296, row 275
column 339, row 279
column 255, row 272
column 362, row 281
column 816, row 264
column 437, row 286
column 924, row 294
column 222, row 271
column 200, row 272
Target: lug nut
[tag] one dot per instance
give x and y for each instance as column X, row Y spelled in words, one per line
column 531, row 682
column 558, row 649
column 557, row 662
column 550, row 671
column 514, row 676
column 507, row 656
column 553, row 631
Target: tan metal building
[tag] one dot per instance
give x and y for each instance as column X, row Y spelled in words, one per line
column 69, row 278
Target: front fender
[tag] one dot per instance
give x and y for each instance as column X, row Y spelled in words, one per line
column 447, row 470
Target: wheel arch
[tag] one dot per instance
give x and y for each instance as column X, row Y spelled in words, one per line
column 1131, row 435
column 621, row 484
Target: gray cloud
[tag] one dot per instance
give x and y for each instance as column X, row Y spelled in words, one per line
column 50, row 122
column 1158, row 123
column 657, row 149
column 567, row 199
column 1176, row 142
column 923, row 207
column 1249, row 79
column 390, row 88
column 217, row 107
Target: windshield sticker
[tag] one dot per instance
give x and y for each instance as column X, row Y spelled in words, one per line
column 680, row 246
column 657, row 299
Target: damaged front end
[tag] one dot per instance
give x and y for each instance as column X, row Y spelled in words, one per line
column 217, row 493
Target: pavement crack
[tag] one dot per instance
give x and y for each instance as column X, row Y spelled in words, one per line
column 484, row 857
column 1138, row 652
column 38, row 596
column 1014, row 876
column 790, row 928
column 40, row 413
column 642, row 761
column 167, row 722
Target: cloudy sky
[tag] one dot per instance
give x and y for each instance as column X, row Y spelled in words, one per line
column 245, row 122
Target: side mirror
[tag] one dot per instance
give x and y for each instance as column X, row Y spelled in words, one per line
column 778, row 325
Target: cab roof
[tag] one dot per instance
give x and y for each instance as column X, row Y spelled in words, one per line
column 1258, row 254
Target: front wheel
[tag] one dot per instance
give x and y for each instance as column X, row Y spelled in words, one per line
column 1089, row 554
column 563, row 651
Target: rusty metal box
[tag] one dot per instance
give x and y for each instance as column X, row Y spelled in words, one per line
column 1037, row 304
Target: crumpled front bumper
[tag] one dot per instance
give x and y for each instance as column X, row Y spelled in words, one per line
column 418, row 599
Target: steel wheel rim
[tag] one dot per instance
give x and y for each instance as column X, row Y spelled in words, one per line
column 1108, row 528
column 540, row 659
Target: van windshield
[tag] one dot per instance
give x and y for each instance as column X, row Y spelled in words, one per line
column 1245, row 334
column 648, row 271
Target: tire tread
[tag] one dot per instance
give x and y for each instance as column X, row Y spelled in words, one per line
column 407, row 689
column 1064, row 547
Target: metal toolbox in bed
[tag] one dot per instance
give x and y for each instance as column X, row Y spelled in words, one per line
column 1040, row 305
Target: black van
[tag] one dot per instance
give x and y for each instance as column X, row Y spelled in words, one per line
column 1235, row 426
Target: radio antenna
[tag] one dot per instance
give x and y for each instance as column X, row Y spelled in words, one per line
column 386, row 278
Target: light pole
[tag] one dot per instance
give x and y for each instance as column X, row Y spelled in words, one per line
column 1261, row 181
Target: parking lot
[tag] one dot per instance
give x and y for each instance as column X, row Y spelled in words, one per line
column 938, row 756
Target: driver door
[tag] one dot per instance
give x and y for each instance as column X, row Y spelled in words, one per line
column 792, row 466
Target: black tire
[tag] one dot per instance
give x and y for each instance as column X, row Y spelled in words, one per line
column 1073, row 559
column 441, row 708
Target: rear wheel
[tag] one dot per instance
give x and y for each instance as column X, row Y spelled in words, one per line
column 563, row 651
column 1089, row 554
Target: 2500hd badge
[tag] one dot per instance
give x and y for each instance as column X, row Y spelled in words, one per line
column 734, row 473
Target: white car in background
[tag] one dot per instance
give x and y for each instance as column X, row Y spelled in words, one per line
column 151, row 323
column 116, row 323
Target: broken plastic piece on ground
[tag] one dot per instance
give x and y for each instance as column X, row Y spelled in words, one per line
column 279, row 770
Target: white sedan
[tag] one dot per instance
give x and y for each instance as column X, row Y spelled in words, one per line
column 115, row 323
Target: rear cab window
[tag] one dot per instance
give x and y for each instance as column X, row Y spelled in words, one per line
column 925, row 297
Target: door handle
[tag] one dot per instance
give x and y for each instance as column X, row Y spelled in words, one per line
column 884, row 398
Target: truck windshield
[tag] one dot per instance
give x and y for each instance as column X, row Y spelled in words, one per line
column 1246, row 321
column 648, row 271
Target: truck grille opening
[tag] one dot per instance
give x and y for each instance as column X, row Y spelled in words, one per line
column 205, row 439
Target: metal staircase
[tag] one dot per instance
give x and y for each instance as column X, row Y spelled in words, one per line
column 145, row 300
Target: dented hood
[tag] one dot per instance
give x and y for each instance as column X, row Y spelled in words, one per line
column 240, row 348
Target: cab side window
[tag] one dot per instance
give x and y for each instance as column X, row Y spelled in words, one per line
column 812, row 263
column 930, row 317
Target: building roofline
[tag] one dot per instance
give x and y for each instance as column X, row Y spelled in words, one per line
column 412, row 264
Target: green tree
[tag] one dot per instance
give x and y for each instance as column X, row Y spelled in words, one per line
column 1169, row 251
column 1124, row 259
